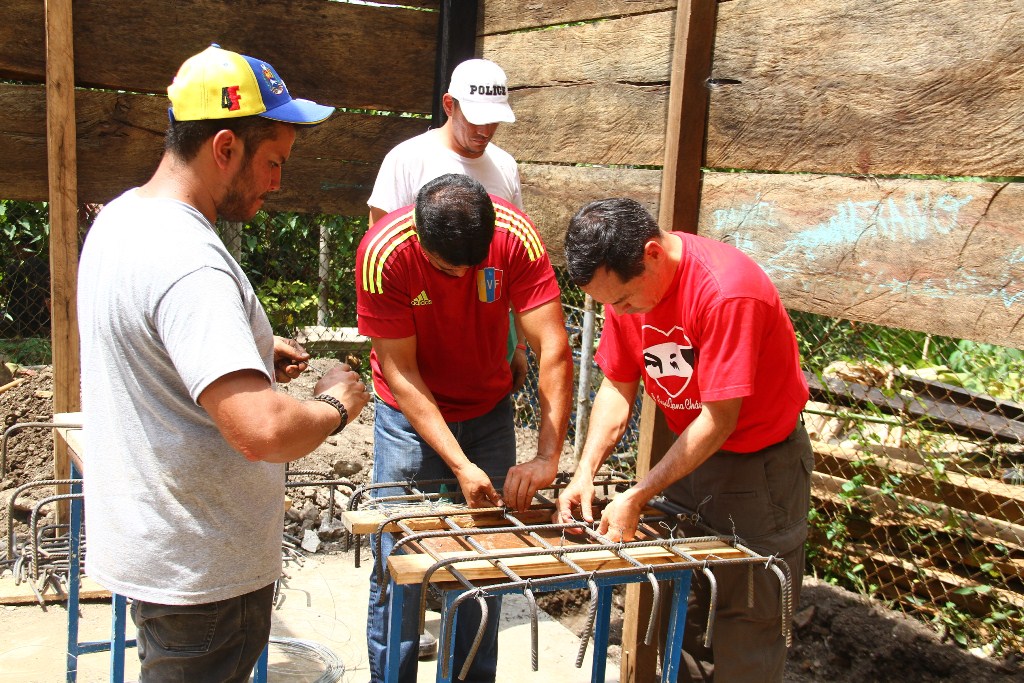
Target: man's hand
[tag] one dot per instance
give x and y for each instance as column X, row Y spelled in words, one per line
column 519, row 368
column 525, row 479
column 578, row 495
column 346, row 386
column 477, row 488
column 621, row 517
column 290, row 359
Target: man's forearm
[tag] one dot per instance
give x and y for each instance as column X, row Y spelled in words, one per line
column 418, row 406
column 554, row 390
column 698, row 442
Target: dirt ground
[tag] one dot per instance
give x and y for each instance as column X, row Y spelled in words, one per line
column 838, row 637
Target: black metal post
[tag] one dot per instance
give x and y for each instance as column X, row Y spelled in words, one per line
column 456, row 42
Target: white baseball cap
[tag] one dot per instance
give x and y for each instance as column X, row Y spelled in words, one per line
column 481, row 88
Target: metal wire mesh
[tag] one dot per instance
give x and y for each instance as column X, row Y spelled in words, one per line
column 918, row 494
column 24, row 278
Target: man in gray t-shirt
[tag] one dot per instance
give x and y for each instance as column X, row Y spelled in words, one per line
column 185, row 436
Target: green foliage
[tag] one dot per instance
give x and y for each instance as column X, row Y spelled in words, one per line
column 29, row 351
column 280, row 254
column 24, row 225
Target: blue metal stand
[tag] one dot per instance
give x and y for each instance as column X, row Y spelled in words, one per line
column 259, row 675
column 118, row 607
column 680, row 580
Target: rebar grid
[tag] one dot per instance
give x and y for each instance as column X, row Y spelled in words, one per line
column 652, row 526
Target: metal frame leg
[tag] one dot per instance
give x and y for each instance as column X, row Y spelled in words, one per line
column 74, row 582
column 118, row 607
column 602, row 632
column 260, row 672
column 394, row 652
column 677, row 623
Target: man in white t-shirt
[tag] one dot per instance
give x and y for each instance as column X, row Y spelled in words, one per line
column 185, row 436
column 476, row 102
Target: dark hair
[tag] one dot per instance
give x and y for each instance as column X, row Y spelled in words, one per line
column 455, row 219
column 610, row 233
column 185, row 138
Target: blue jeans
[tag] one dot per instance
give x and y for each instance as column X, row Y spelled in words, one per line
column 399, row 454
column 217, row 642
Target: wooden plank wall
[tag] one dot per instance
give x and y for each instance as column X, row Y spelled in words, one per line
column 353, row 56
column 820, row 103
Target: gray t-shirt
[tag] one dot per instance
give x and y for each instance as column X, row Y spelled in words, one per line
column 174, row 515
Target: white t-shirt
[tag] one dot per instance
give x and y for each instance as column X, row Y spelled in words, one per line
column 413, row 163
column 174, row 515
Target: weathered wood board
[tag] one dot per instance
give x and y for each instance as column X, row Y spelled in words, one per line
column 591, row 93
column 888, row 87
column 348, row 55
column 890, row 504
column 909, row 87
column 120, row 140
column 553, row 194
column 22, row 594
column 934, row 256
column 972, row 494
column 500, row 16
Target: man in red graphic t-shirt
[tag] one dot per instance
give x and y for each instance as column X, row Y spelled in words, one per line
column 703, row 327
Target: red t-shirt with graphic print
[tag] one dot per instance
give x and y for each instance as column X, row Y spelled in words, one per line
column 460, row 324
column 721, row 332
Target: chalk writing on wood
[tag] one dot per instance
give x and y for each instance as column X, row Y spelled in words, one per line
column 945, row 257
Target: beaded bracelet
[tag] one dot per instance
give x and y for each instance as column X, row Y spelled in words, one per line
column 342, row 410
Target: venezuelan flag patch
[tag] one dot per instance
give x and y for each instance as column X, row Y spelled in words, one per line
column 488, row 284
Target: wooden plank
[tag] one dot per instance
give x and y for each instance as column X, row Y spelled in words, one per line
column 412, row 567
column 886, row 503
column 936, row 586
column 604, row 52
column 927, row 412
column 62, row 166
column 960, row 548
column 553, row 194
column 602, row 123
column 500, row 16
column 368, row 521
column 928, row 255
column 22, row 594
column 842, row 86
column 679, row 208
column 960, row 396
column 331, row 169
column 972, row 494
column 602, row 102
column 373, row 57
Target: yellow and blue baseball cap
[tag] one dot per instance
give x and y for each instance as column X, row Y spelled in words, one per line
column 220, row 84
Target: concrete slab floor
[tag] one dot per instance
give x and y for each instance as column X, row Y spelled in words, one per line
column 324, row 603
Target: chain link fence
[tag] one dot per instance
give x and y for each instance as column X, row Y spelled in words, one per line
column 919, row 484
column 24, row 281
column 918, row 494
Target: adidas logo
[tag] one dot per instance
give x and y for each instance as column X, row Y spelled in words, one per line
column 422, row 299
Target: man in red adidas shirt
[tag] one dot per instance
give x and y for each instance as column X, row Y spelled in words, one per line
column 435, row 282
column 702, row 325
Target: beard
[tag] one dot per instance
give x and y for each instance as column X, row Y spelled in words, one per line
column 239, row 204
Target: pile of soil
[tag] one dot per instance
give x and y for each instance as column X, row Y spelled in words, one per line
column 838, row 636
